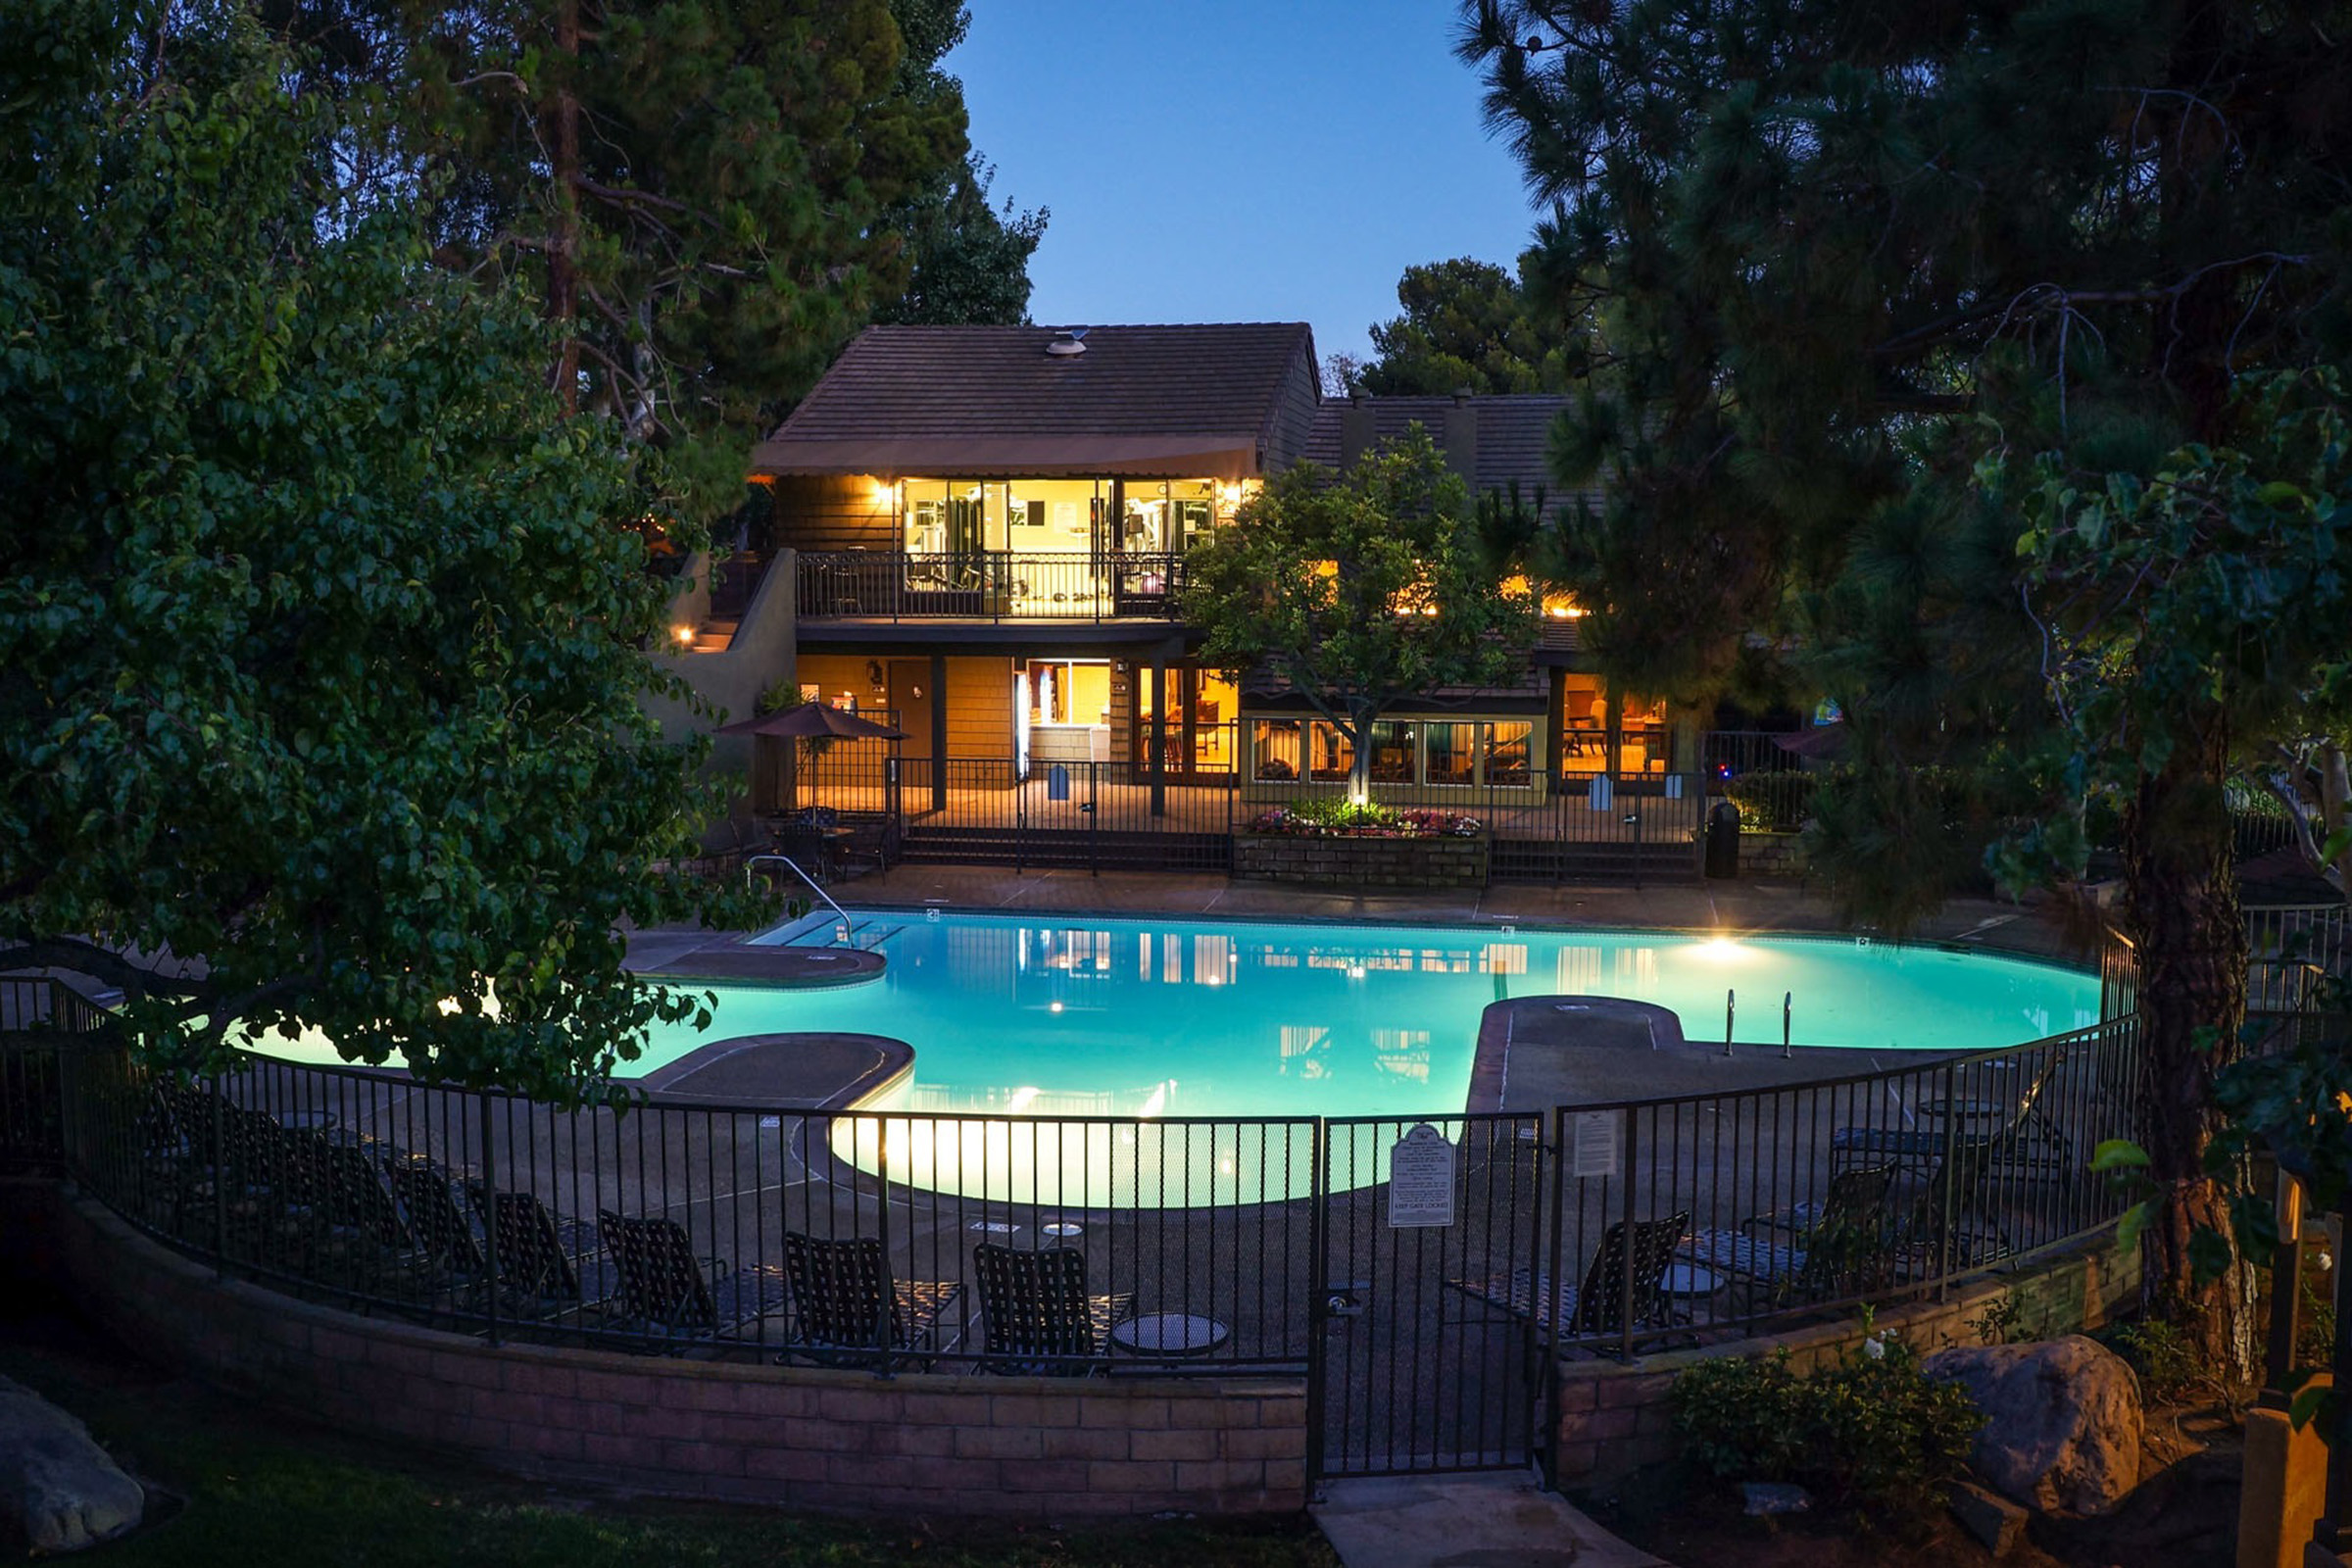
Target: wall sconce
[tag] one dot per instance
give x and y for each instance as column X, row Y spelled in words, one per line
column 683, row 634
column 1118, row 667
column 873, row 673
column 915, row 692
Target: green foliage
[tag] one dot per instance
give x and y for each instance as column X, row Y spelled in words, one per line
column 1875, row 279
column 2171, row 1371
column 2000, row 1320
column 1867, row 1432
column 1359, row 591
column 712, row 195
column 323, row 639
column 1467, row 325
column 1775, row 803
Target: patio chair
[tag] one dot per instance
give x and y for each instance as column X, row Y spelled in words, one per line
column 2006, row 1125
column 668, row 1294
column 846, row 1305
column 443, row 1232
column 1841, row 1247
column 545, row 1265
column 1954, row 1224
column 1034, row 1310
column 1598, row 1306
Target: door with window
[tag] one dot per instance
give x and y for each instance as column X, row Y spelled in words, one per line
column 1195, row 739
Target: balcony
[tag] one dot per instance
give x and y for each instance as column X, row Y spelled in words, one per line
column 987, row 586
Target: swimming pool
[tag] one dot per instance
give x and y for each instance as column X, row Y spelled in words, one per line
column 1185, row 1023
column 1094, row 1016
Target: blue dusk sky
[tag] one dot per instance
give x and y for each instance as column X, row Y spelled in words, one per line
column 1215, row 161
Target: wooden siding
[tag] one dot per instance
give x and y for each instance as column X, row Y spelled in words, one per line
column 834, row 512
column 980, row 708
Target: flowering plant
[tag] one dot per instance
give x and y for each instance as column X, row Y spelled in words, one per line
column 1334, row 818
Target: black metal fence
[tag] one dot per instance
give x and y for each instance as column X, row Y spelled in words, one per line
column 991, row 585
column 36, row 1013
column 512, row 1218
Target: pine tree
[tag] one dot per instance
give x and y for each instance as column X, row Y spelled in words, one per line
column 1868, row 264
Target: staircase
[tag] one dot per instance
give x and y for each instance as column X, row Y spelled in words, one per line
column 714, row 637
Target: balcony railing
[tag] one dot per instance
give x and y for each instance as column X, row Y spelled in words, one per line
column 992, row 585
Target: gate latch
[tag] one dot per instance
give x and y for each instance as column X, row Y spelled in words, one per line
column 1345, row 1299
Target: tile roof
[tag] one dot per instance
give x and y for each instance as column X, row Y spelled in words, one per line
column 971, row 399
column 1514, row 435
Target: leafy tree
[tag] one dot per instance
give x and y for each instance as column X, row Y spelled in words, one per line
column 1850, row 250
column 970, row 260
column 1359, row 591
column 324, row 647
column 1466, row 325
column 709, row 196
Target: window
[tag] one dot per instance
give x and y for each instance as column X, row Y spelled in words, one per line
column 1330, row 759
column 1507, row 752
column 1452, row 753
column 1392, row 752
column 1274, row 750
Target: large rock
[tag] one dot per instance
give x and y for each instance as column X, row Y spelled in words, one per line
column 56, row 1486
column 2063, row 1426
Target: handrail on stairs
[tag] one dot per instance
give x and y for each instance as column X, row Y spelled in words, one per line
column 841, row 932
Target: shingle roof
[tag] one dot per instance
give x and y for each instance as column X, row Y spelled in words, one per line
column 1514, row 435
column 971, row 400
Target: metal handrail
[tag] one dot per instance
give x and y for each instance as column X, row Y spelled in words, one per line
column 841, row 932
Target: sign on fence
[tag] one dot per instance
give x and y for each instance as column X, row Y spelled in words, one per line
column 1421, row 1179
column 1593, row 1134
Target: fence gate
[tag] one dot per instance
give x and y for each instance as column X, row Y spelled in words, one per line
column 1419, row 1361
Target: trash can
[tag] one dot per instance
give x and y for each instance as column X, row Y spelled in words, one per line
column 1722, row 841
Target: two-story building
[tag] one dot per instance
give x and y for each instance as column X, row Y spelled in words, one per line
column 981, row 532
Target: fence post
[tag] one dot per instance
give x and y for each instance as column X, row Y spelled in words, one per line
column 1020, row 821
column 1094, row 819
column 1949, row 1198
column 221, row 1175
column 489, row 1142
column 2286, row 1282
column 1625, row 1248
column 1318, row 1303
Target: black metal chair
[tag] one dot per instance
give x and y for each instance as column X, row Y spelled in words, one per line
column 845, row 1304
column 1034, row 1310
column 1840, row 1247
column 670, row 1294
column 546, row 1266
column 1626, row 1267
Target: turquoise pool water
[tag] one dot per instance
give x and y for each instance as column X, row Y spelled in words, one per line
column 1123, row 1018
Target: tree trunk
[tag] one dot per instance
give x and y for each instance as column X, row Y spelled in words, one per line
column 562, row 130
column 2182, row 913
column 1359, row 746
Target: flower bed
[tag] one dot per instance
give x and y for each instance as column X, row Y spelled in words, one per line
column 1341, row 819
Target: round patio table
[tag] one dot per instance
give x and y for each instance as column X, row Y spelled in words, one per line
column 1168, row 1333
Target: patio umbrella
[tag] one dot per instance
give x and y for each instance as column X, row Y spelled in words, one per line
column 811, row 720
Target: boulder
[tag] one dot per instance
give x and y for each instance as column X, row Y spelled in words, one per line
column 57, row 1486
column 2062, row 1433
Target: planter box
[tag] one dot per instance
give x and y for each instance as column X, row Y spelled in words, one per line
column 1450, row 860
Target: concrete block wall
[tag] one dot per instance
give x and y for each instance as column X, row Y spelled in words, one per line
column 805, row 1438
column 1614, row 1417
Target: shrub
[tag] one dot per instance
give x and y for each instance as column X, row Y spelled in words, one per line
column 1869, row 1432
column 1774, row 803
column 1331, row 817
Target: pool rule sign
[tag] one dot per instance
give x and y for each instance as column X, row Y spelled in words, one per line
column 1421, row 1179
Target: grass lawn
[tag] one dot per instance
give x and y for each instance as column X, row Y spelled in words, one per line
column 264, row 1488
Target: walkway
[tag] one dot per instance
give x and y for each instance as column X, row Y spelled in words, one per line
column 1493, row 1520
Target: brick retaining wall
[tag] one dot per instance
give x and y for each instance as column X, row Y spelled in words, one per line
column 1614, row 1417
column 1446, row 861
column 803, row 1438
